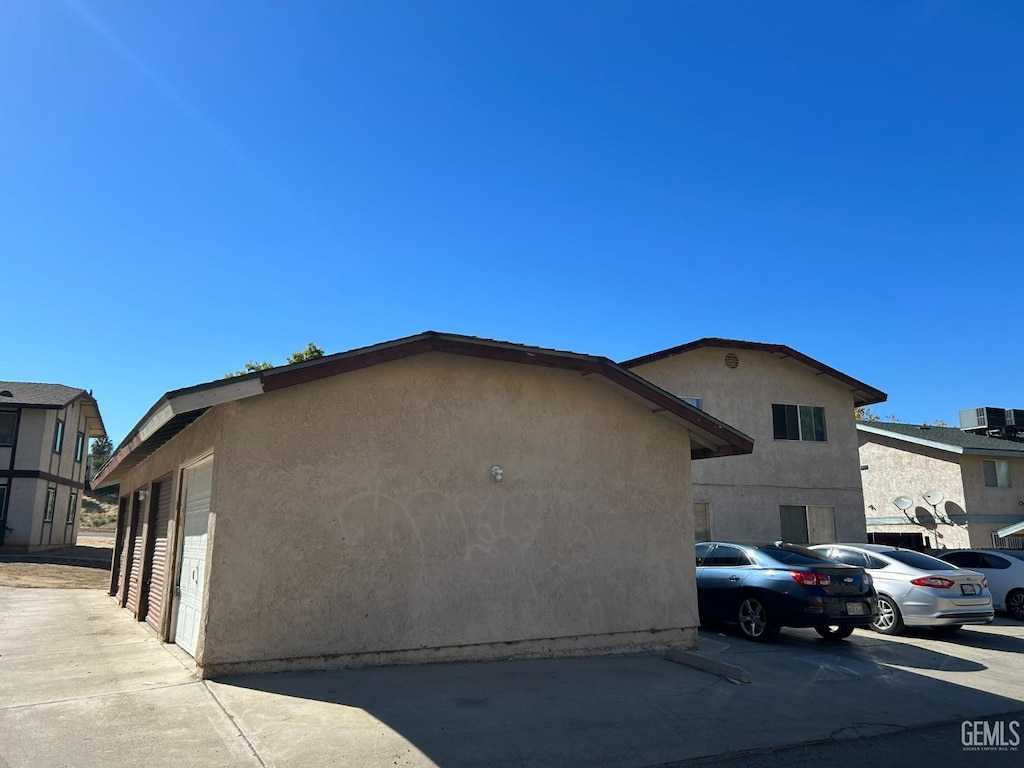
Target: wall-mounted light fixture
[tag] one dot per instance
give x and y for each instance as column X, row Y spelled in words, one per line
column 497, row 473
column 143, row 494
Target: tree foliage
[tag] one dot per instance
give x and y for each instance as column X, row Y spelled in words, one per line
column 100, row 451
column 311, row 352
column 863, row 413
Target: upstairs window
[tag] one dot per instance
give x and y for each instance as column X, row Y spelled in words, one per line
column 58, row 436
column 72, row 508
column 80, row 447
column 696, row 402
column 8, row 420
column 799, row 422
column 997, row 473
column 51, row 504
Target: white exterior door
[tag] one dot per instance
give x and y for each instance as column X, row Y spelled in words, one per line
column 198, row 486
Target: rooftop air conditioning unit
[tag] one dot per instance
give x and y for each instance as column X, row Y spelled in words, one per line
column 983, row 419
column 1014, row 417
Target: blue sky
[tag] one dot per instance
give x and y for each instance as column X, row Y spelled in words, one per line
column 186, row 186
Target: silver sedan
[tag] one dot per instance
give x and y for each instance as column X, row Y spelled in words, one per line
column 917, row 590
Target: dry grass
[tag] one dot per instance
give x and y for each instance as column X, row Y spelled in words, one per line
column 53, row 576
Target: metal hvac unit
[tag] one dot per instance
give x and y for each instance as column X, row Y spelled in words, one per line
column 1015, row 418
column 975, row 419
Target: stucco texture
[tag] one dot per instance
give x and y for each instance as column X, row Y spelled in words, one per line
column 745, row 492
column 357, row 514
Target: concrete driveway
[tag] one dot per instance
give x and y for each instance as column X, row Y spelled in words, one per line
column 82, row 684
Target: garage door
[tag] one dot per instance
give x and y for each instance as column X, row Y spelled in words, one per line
column 198, row 484
column 135, row 555
column 157, row 559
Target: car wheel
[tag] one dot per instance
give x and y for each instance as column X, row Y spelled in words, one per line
column 755, row 620
column 948, row 629
column 889, row 621
column 833, row 632
column 1015, row 604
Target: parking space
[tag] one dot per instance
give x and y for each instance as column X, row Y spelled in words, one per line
column 85, row 685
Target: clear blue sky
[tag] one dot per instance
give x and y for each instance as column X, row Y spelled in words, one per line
column 186, row 186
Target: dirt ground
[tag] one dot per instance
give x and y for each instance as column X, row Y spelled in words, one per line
column 62, row 568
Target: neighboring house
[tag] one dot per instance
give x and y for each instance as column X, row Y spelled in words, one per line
column 974, row 483
column 437, row 497
column 44, row 453
column 802, row 482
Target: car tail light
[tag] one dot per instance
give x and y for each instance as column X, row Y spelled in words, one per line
column 984, row 582
column 933, row 581
column 868, row 581
column 811, row 579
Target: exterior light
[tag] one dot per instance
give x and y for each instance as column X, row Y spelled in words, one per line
column 497, row 473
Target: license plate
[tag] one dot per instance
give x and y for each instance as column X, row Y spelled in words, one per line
column 968, row 589
column 855, row 609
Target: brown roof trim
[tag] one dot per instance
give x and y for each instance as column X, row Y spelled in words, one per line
column 169, row 415
column 863, row 394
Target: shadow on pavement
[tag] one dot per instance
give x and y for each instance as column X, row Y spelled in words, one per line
column 622, row 711
column 89, row 557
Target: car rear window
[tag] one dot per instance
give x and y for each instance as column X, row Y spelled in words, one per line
column 1018, row 555
column 920, row 560
column 795, row 555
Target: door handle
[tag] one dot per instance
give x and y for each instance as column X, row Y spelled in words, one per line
column 734, row 578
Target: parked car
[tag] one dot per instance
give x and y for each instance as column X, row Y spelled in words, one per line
column 917, row 590
column 1004, row 570
column 764, row 587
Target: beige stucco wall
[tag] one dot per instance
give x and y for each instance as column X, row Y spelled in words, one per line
column 745, row 492
column 357, row 514
column 990, row 509
column 894, row 471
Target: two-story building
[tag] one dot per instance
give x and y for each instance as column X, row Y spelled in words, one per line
column 802, row 482
column 931, row 487
column 44, row 455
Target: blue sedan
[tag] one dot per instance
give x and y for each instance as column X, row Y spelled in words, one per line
column 764, row 587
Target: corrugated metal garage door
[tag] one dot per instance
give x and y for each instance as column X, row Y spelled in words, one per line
column 156, row 577
column 135, row 555
column 120, row 547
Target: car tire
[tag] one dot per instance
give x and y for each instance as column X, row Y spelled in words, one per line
column 756, row 621
column 948, row 629
column 1015, row 604
column 889, row 620
column 833, row 632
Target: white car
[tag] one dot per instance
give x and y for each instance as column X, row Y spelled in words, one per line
column 1004, row 569
column 917, row 590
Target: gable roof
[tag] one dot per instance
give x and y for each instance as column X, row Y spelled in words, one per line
column 863, row 394
column 28, row 394
column 945, row 439
column 177, row 409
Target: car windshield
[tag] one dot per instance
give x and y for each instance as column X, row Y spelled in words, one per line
column 920, row 560
column 791, row 555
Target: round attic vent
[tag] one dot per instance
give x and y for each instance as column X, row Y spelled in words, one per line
column 731, row 361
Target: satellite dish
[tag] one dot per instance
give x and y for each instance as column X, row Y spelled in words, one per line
column 903, row 502
column 934, row 498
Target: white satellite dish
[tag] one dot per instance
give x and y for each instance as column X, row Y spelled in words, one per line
column 934, row 498
column 903, row 502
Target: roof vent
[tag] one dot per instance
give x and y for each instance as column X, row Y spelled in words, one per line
column 6, row 393
column 731, row 361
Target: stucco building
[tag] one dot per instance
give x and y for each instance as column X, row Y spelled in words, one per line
column 802, row 482
column 44, row 456
column 974, row 485
column 433, row 498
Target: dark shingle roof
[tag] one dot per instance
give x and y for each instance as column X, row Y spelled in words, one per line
column 25, row 393
column 963, row 442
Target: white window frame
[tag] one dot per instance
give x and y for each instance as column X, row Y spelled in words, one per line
column 51, row 505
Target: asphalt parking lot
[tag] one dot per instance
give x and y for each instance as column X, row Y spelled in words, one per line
column 85, row 685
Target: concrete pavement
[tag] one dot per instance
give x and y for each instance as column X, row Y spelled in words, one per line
column 82, row 684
